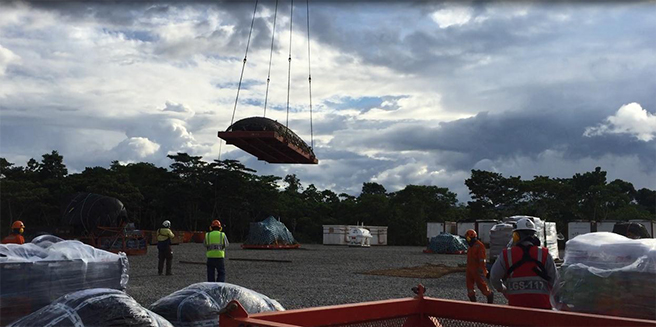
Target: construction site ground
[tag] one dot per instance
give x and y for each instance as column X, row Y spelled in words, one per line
column 317, row 275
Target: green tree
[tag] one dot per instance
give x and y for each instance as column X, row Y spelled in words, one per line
column 52, row 166
column 646, row 199
column 493, row 194
column 413, row 207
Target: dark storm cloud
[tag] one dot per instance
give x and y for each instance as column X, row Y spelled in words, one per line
column 133, row 20
column 416, row 48
column 504, row 136
column 440, row 49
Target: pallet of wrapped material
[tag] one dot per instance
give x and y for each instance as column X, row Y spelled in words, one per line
column 32, row 275
column 500, row 237
column 607, row 273
column 445, row 243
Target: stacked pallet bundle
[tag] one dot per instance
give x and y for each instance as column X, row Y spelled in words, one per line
column 607, row 273
column 32, row 275
column 500, row 237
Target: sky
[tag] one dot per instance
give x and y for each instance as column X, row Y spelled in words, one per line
column 402, row 92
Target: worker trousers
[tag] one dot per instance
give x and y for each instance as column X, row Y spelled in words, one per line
column 215, row 265
column 164, row 256
column 476, row 278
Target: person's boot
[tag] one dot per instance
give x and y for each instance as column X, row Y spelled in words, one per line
column 490, row 298
column 472, row 297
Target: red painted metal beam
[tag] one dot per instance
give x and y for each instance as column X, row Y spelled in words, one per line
column 420, row 309
column 334, row 315
column 275, row 148
column 246, row 145
column 268, row 146
column 515, row 316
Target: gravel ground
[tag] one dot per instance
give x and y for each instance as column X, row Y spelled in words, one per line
column 318, row 275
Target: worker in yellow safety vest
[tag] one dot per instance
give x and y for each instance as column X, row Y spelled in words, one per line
column 216, row 242
column 165, row 254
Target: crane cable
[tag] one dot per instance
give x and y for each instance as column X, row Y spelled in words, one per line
column 289, row 70
column 273, row 35
column 309, row 75
column 244, row 65
column 242, row 73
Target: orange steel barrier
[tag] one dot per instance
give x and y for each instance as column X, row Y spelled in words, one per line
column 419, row 311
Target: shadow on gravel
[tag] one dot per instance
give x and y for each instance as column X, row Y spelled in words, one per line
column 425, row 271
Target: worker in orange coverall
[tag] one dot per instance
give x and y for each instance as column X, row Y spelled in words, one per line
column 476, row 270
column 16, row 236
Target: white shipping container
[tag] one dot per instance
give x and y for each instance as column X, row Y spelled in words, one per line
column 379, row 234
column 335, row 235
column 483, row 230
column 576, row 228
column 434, row 229
column 451, row 227
column 606, row 226
column 338, row 234
column 464, row 226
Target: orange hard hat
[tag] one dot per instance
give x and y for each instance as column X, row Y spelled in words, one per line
column 470, row 233
column 17, row 225
column 216, row 223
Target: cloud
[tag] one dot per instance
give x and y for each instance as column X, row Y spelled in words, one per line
column 630, row 119
column 136, row 148
column 6, row 58
column 452, row 16
column 405, row 92
column 177, row 107
column 557, row 164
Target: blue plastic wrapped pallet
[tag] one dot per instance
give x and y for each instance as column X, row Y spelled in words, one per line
column 33, row 275
column 447, row 243
column 269, row 231
column 198, row 305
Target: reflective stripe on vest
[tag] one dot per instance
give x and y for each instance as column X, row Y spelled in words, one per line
column 215, row 244
column 526, row 285
column 524, row 288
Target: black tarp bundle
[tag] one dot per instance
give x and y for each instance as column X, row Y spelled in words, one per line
column 266, row 124
column 86, row 211
column 198, row 305
column 93, row 307
column 632, row 230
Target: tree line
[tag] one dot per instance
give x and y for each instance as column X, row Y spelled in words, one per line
column 192, row 192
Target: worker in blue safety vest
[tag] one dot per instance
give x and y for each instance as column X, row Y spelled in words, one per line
column 216, row 242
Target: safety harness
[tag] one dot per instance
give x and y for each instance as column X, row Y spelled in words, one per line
column 540, row 270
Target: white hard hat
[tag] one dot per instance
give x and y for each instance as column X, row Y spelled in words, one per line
column 525, row 224
column 166, row 224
